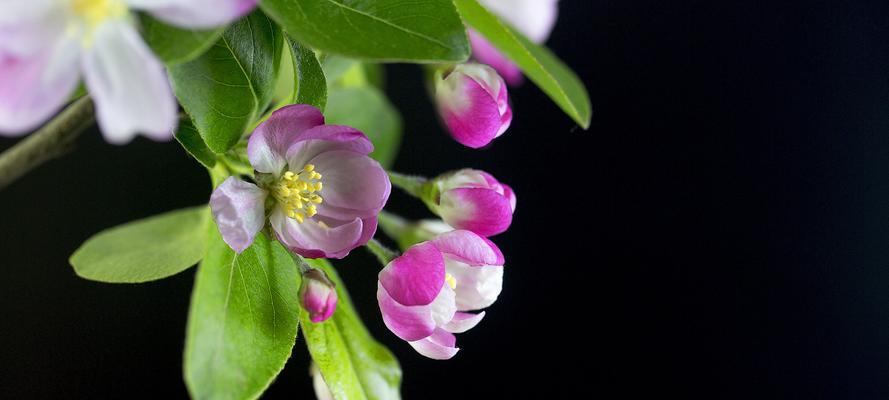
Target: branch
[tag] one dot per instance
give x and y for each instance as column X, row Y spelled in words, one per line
column 51, row 141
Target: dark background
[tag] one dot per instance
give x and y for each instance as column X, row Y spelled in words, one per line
column 720, row 231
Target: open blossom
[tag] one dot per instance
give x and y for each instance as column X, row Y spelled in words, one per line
column 533, row 18
column 473, row 103
column 318, row 295
column 425, row 294
column 47, row 45
column 473, row 200
column 315, row 182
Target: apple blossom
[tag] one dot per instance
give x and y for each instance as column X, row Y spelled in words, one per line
column 318, row 295
column 312, row 214
column 473, row 103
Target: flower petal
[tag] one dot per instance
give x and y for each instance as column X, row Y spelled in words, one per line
column 268, row 144
column 239, row 211
column 533, row 18
column 483, row 211
column 406, row 322
column 33, row 87
column 468, row 247
column 352, row 180
column 444, row 306
column 438, row 346
column 195, row 13
column 128, row 84
column 463, row 322
column 315, row 239
column 477, row 287
column 416, row 277
column 484, row 52
column 310, row 143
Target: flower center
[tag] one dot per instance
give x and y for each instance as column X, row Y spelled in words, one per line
column 296, row 193
column 452, row 282
column 94, row 12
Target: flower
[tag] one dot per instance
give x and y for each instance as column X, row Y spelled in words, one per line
column 473, row 104
column 318, row 295
column 533, row 18
column 312, row 214
column 424, row 294
column 472, row 200
column 46, row 45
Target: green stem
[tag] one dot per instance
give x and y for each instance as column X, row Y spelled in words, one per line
column 383, row 253
column 415, row 185
column 392, row 225
column 52, row 140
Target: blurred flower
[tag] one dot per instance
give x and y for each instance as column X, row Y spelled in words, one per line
column 289, row 152
column 473, row 103
column 322, row 391
column 532, row 18
column 473, row 200
column 45, row 46
column 318, row 295
column 424, row 295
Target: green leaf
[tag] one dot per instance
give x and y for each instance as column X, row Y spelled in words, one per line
column 388, row 30
column 175, row 45
column 187, row 135
column 311, row 87
column 367, row 109
column 230, row 85
column 353, row 364
column 243, row 319
column 144, row 250
column 538, row 63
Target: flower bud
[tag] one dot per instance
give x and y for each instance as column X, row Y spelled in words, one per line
column 318, row 295
column 473, row 104
column 473, row 200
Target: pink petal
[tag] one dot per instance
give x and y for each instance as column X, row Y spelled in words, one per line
column 128, row 84
column 406, row 322
column 439, row 346
column 483, row 211
column 238, row 208
column 313, row 240
column 468, row 247
column 268, row 144
column 310, row 143
column 463, row 322
column 352, row 180
column 484, row 52
column 416, row 277
column 33, row 87
column 195, row 13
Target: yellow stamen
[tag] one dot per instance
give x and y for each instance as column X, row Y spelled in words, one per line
column 94, row 12
column 295, row 192
column 452, row 282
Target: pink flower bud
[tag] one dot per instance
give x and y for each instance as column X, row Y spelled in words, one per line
column 473, row 104
column 318, row 295
column 474, row 200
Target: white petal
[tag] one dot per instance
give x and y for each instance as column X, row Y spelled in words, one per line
column 128, row 83
column 533, row 18
column 195, row 13
column 33, row 87
column 477, row 287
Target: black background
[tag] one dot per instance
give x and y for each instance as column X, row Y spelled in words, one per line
column 720, row 231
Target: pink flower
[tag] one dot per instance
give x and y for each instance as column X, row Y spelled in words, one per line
column 47, row 45
column 532, row 18
column 425, row 294
column 473, row 104
column 322, row 190
column 473, row 200
column 318, row 295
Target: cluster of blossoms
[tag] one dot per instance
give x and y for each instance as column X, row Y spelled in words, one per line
column 314, row 187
